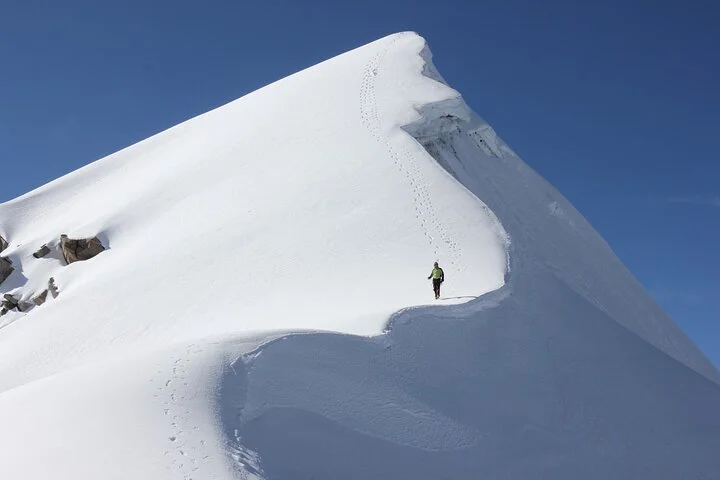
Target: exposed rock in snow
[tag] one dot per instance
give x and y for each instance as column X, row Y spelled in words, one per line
column 40, row 299
column 44, row 250
column 3, row 243
column 53, row 288
column 9, row 302
column 76, row 250
column 6, row 269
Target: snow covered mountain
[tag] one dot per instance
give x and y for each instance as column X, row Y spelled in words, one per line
column 260, row 307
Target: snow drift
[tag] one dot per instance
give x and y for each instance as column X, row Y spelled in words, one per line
column 261, row 309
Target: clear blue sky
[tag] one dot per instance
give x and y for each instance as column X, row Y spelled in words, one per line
column 617, row 103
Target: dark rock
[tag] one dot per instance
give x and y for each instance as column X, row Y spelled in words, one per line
column 3, row 311
column 44, row 250
column 6, row 269
column 53, row 288
column 3, row 243
column 40, row 299
column 80, row 249
column 9, row 302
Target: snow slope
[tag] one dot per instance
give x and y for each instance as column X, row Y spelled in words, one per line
column 300, row 197
column 263, row 310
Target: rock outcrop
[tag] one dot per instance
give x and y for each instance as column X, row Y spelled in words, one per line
column 40, row 299
column 80, row 249
column 6, row 269
column 44, row 250
column 9, row 303
column 53, row 288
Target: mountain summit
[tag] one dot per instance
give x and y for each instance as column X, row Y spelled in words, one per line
column 245, row 295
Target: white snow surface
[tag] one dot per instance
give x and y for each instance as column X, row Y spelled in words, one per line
column 263, row 309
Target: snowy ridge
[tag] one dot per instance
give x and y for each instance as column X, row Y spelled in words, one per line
column 459, row 139
column 453, row 134
column 262, row 309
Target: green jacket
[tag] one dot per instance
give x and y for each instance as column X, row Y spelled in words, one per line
column 437, row 274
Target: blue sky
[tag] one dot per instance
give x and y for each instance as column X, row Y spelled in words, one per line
column 616, row 103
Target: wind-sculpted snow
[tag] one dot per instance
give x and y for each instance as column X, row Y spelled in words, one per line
column 262, row 310
column 516, row 391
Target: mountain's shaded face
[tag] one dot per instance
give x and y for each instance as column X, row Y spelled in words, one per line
column 246, row 295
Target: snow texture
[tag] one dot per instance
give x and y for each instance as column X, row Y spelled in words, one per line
column 262, row 310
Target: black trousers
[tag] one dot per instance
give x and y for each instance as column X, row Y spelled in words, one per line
column 436, row 285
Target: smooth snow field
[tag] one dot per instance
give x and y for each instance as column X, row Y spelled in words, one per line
column 262, row 309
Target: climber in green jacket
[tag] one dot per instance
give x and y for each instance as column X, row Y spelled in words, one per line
column 438, row 277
